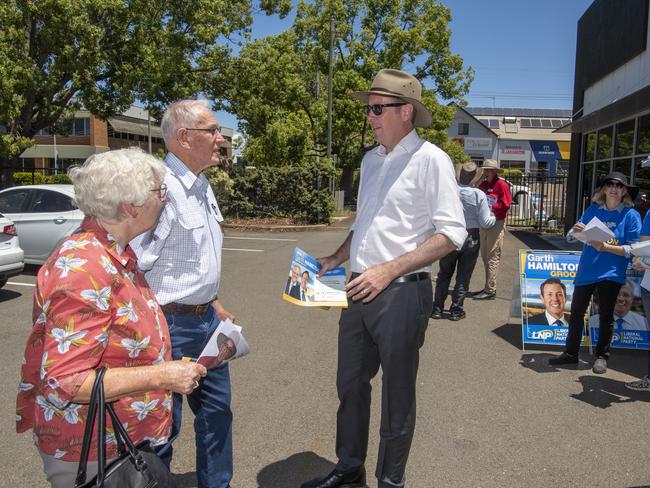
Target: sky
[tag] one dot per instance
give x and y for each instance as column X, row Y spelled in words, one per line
column 522, row 51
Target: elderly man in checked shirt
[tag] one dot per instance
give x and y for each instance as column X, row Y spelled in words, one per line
column 181, row 260
column 409, row 215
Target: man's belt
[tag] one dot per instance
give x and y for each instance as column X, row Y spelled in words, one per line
column 404, row 279
column 187, row 309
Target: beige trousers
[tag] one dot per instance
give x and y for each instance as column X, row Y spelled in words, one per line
column 491, row 244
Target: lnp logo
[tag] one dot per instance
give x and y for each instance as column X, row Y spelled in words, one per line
column 542, row 334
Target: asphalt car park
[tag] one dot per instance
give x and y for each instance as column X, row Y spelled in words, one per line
column 489, row 414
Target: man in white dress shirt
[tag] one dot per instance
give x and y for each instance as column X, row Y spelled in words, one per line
column 181, row 260
column 409, row 215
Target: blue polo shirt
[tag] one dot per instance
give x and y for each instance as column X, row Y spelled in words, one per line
column 625, row 223
column 645, row 229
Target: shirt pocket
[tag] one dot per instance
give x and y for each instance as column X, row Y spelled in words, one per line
column 191, row 220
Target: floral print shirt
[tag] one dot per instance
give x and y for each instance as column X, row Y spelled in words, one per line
column 91, row 308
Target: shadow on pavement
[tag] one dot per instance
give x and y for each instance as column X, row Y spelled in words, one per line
column 186, row 480
column 603, row 392
column 294, row 470
column 6, row 295
column 511, row 333
column 538, row 362
column 533, row 241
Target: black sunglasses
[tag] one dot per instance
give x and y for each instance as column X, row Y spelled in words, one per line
column 614, row 184
column 378, row 108
column 211, row 130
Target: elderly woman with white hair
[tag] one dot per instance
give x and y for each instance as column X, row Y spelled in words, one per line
column 92, row 309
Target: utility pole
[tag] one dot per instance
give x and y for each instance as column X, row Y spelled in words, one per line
column 149, row 129
column 329, row 98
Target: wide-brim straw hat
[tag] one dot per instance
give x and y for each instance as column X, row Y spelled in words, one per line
column 491, row 164
column 398, row 84
column 632, row 190
column 468, row 173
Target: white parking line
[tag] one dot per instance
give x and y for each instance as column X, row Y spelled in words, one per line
column 261, row 238
column 243, row 250
column 20, row 284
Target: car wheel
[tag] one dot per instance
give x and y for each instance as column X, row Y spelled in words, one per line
column 3, row 282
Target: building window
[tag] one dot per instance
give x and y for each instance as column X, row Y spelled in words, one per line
column 546, row 124
column 643, row 136
column 624, row 139
column 604, row 148
column 589, row 147
column 463, row 128
column 81, row 127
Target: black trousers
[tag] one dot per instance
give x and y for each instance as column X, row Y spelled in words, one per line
column 607, row 294
column 465, row 261
column 388, row 331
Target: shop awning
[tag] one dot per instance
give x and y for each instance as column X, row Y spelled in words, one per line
column 545, row 151
column 63, row 151
column 131, row 127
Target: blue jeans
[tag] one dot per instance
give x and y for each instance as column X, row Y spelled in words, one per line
column 210, row 402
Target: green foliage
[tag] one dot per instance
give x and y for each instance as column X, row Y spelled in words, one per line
column 58, row 55
column 37, row 178
column 508, row 172
column 285, row 191
column 277, row 85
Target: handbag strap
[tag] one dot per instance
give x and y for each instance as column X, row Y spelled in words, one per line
column 90, row 424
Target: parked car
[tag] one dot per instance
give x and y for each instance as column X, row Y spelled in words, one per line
column 517, row 191
column 44, row 216
column 11, row 255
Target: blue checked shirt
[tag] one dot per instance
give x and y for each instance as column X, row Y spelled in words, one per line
column 181, row 257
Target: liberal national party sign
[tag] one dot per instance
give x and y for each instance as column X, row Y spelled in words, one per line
column 546, row 291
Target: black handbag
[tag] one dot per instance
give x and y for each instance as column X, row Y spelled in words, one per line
column 136, row 466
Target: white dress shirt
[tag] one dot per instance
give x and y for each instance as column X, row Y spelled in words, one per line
column 552, row 320
column 630, row 321
column 405, row 197
column 181, row 257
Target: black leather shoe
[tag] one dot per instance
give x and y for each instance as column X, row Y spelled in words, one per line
column 354, row 478
column 564, row 358
column 437, row 312
column 484, row 296
column 456, row 314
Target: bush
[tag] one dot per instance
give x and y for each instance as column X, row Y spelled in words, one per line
column 286, row 191
column 25, row 178
column 508, row 172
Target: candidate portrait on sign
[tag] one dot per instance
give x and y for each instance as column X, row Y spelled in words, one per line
column 553, row 296
column 624, row 317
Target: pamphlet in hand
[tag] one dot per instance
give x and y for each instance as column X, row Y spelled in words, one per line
column 305, row 288
column 641, row 248
column 226, row 343
column 595, row 230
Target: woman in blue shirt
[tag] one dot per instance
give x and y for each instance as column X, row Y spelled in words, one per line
column 602, row 267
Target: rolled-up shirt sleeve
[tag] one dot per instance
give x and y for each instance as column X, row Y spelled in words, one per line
column 443, row 199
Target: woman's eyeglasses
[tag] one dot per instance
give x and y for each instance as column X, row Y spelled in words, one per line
column 614, row 184
column 162, row 191
column 378, row 108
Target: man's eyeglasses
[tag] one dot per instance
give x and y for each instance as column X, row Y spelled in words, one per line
column 614, row 184
column 378, row 108
column 162, row 191
column 211, row 130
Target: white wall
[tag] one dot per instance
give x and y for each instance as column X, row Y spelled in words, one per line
column 629, row 78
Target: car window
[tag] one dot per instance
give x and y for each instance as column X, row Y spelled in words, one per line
column 50, row 201
column 13, row 201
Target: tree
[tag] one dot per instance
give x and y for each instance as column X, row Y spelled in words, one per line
column 58, row 55
column 276, row 85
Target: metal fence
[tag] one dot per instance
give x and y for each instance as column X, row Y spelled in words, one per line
column 538, row 202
